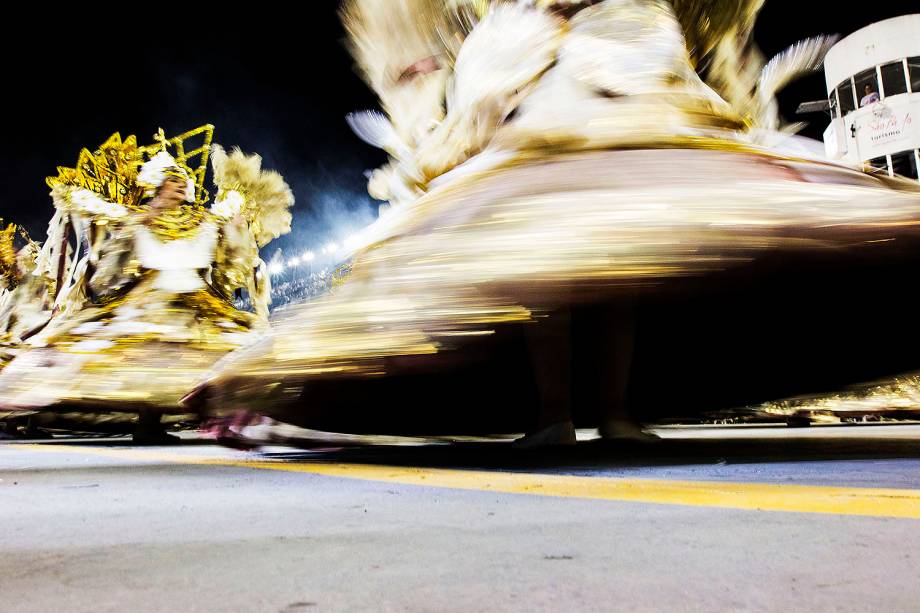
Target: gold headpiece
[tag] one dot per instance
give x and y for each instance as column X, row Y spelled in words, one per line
column 112, row 170
column 8, row 251
column 185, row 154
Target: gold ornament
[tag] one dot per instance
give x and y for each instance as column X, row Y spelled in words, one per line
column 111, row 170
column 9, row 252
column 177, row 148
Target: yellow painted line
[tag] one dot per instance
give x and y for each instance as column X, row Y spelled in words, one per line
column 874, row 502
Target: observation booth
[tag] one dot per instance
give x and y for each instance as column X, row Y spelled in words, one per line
column 873, row 85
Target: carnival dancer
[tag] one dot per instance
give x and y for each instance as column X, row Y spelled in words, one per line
column 147, row 307
column 583, row 157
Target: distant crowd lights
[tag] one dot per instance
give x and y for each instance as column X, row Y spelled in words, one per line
column 307, row 257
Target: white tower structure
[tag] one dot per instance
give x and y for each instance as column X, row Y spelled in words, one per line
column 873, row 85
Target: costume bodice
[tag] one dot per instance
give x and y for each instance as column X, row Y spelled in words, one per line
column 179, row 261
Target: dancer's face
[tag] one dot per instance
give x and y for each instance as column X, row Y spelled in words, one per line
column 171, row 193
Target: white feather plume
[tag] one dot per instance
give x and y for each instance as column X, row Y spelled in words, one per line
column 267, row 197
column 799, row 59
column 376, row 130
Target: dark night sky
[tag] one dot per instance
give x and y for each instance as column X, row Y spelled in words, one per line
column 277, row 84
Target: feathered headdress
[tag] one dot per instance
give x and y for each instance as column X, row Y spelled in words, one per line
column 261, row 196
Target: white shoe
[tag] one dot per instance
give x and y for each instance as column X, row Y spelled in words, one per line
column 623, row 430
column 556, row 435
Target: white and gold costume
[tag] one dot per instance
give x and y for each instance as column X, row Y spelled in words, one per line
column 548, row 153
column 25, row 301
column 144, row 307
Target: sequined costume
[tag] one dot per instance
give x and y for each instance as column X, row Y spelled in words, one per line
column 25, row 301
column 145, row 307
column 582, row 150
